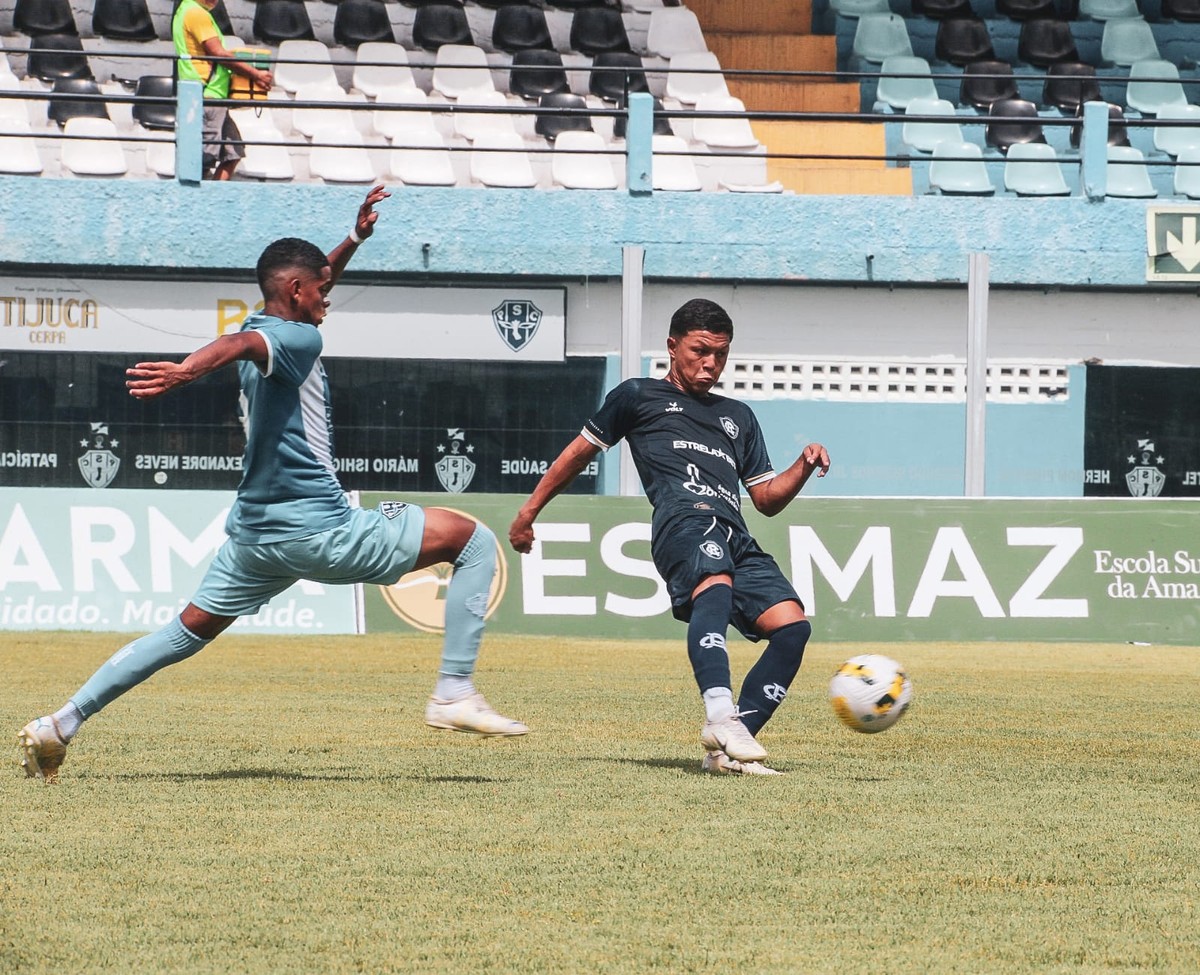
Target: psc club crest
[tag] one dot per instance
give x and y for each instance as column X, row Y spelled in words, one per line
column 98, row 464
column 517, row 322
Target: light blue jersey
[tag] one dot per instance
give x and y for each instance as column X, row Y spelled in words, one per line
column 289, row 488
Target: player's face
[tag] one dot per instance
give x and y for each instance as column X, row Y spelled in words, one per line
column 312, row 296
column 697, row 360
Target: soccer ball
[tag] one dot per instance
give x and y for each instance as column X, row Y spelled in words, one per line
column 870, row 692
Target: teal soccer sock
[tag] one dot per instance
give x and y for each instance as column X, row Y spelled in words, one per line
column 466, row 602
column 134, row 663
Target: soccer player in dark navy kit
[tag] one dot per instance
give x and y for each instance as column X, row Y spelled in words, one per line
column 693, row 450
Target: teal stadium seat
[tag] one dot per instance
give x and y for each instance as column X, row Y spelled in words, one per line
column 899, row 91
column 926, row 136
column 1187, row 175
column 1108, row 9
column 1127, row 174
column 1127, row 41
column 858, row 8
column 958, row 169
column 1175, row 139
column 1032, row 169
column 1153, row 86
column 881, row 36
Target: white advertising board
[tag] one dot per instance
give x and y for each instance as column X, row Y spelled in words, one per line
column 365, row 320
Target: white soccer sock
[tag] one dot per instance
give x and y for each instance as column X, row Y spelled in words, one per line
column 718, row 703
column 453, row 687
column 69, row 719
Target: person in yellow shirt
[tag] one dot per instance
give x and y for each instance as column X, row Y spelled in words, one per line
column 198, row 43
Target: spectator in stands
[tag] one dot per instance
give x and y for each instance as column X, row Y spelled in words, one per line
column 693, row 450
column 290, row 519
column 196, row 35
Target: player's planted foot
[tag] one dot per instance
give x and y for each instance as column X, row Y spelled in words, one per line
column 733, row 738
column 43, row 749
column 721, row 764
column 472, row 714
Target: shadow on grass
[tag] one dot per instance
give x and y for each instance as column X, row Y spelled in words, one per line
column 232, row 775
column 689, row 765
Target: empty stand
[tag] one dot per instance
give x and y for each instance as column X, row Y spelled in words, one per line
column 359, row 22
column 1108, row 9
column 615, row 74
column 1032, row 169
column 459, row 68
column 18, row 151
column 1027, row 9
column 857, row 8
column 394, row 123
column 346, row 162
column 1044, row 42
column 521, row 28
column 304, row 64
column 473, row 126
column 155, row 115
column 1153, row 86
column 438, row 24
column 986, row 82
column 1187, row 172
column 598, row 30
column 694, row 75
column 1185, row 11
column 380, row 66
column 100, row 155
column 1118, row 132
column 1127, row 41
column 674, row 169
column 38, row 17
column 926, row 136
column 535, row 73
column 499, row 159
column 54, row 56
column 1127, row 174
column 421, row 159
column 958, row 169
column 329, row 116
column 276, row 21
column 726, row 133
column 90, row 103
column 1176, row 139
column 962, row 41
column 123, row 20
column 903, row 79
column 578, row 163
column 881, row 36
column 672, row 31
column 267, row 157
column 574, row 117
column 1012, row 121
column 1069, row 85
column 662, row 125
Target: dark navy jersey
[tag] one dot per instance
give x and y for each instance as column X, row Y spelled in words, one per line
column 692, row 452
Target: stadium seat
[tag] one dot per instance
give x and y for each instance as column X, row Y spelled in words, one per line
column 152, row 115
column 358, row 22
column 571, row 4
column 1046, row 42
column 62, row 110
column 393, row 124
column 925, row 136
column 662, row 125
column 346, row 162
column 772, row 187
column 1174, row 139
column 380, row 66
column 723, row 133
column 1069, row 85
column 550, row 127
column 896, row 90
column 1187, row 172
column 519, row 28
column 38, row 17
column 267, row 156
column 963, row 42
column 578, row 163
column 54, row 56
column 943, row 9
column 18, row 150
column 881, row 36
column 276, row 21
column 472, row 125
column 1127, row 174
column 160, row 156
column 674, row 30
column 1153, row 86
column 1002, row 133
column 123, row 20
column 303, row 64
column 221, row 15
column 694, row 75
column 1118, row 133
column 1027, row 9
column 19, row 107
column 460, row 67
column 598, row 30
column 1032, row 169
column 856, row 8
column 1185, row 11
column 536, row 73
column 985, row 82
column 309, row 121
column 674, row 169
column 438, row 24
column 958, row 169
column 1126, row 41
column 499, row 159
column 100, row 155
column 421, row 159
column 615, row 73
column 1108, row 9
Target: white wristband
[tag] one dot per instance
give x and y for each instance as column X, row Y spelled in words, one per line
column 354, row 235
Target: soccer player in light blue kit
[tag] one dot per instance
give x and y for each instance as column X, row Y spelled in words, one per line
column 291, row 520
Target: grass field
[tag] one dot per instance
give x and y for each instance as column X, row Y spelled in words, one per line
column 277, row 805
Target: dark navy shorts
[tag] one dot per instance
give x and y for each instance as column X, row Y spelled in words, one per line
column 688, row 549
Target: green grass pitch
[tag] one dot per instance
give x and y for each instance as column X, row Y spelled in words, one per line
column 275, row 805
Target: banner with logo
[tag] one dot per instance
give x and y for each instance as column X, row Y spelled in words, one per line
column 882, row 571
column 1141, row 432
column 382, row 321
column 130, row 561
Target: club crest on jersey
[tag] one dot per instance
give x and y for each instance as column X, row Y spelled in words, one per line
column 712, row 550
column 674, row 407
column 731, row 428
column 517, row 322
column 98, row 464
column 455, row 469
column 1146, row 479
column 390, row 509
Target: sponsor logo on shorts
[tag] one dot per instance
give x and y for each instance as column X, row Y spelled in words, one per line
column 389, row 509
column 712, row 549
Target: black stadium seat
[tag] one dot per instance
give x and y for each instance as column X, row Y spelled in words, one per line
column 123, row 20
column 362, row 22
column 550, row 126
column 943, row 9
column 1002, row 134
column 276, row 21
column 436, row 24
column 616, row 73
column 1046, row 42
column 54, row 56
column 1069, row 84
column 961, row 41
column 980, row 91
column 61, row 110
column 37, row 17
column 536, row 73
column 662, row 124
column 1118, row 134
column 151, row 115
column 521, row 29
column 598, row 30
column 1185, row 11
column 1027, row 9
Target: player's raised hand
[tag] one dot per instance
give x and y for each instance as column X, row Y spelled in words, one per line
column 816, row 456
column 364, row 225
column 149, row 379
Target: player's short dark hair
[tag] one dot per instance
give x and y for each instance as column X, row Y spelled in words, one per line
column 289, row 253
column 701, row 315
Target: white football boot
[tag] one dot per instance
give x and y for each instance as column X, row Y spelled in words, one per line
column 471, row 714
column 721, row 764
column 43, row 749
column 733, row 738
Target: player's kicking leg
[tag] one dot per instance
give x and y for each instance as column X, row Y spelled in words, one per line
column 470, row 546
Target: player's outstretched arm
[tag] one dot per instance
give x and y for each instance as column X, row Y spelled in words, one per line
column 149, row 379
column 566, row 467
column 772, row 496
column 364, row 226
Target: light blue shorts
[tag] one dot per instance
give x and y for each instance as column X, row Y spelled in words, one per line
column 374, row 546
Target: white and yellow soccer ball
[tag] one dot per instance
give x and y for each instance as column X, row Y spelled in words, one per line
column 870, row 692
